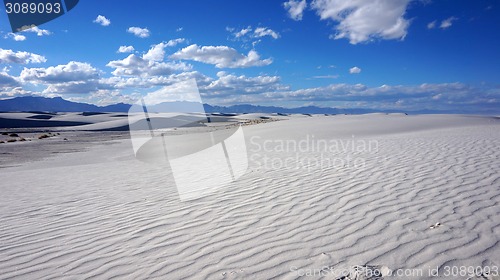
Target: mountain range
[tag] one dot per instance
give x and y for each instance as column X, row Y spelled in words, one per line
column 58, row 104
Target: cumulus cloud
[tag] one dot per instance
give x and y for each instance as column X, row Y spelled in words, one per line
column 71, row 78
column 148, row 65
column 102, row 20
column 384, row 93
column 431, row 25
column 131, row 65
column 75, row 87
column 134, row 82
column 447, row 22
column 221, row 56
column 74, row 71
column 19, row 57
column 224, row 86
column 295, row 8
column 139, row 32
column 445, row 96
column 235, row 89
column 156, row 52
column 149, row 71
column 15, row 36
column 125, row 49
column 229, row 84
column 355, row 70
column 181, row 91
column 7, row 81
column 361, row 21
column 175, row 42
column 8, row 91
column 10, row 85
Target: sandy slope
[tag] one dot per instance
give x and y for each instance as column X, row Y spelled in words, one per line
column 101, row 213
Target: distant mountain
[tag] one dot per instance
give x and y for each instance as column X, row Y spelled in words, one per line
column 57, row 104
column 247, row 108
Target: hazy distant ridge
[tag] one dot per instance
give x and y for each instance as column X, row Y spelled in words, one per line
column 57, row 104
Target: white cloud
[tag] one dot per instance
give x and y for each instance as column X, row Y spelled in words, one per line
column 9, row 56
column 7, row 91
column 242, row 32
column 104, row 97
column 146, row 66
column 175, row 42
column 220, row 56
column 102, row 20
column 71, row 78
column 156, row 53
column 437, row 96
column 131, row 65
column 120, row 82
column 74, row 87
column 125, row 49
column 38, row 31
column 139, row 32
column 74, row 71
column 7, row 81
column 355, row 70
column 179, row 29
column 446, row 96
column 295, row 8
column 326, row 77
column 264, row 31
column 181, row 91
column 361, row 21
column 228, row 84
column 15, row 36
column 447, row 22
column 249, row 33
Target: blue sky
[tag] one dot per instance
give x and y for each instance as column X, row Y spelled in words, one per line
column 386, row 54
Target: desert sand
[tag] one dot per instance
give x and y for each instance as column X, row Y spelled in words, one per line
column 399, row 194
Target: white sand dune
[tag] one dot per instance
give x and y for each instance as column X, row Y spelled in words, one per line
column 102, row 213
column 88, row 121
